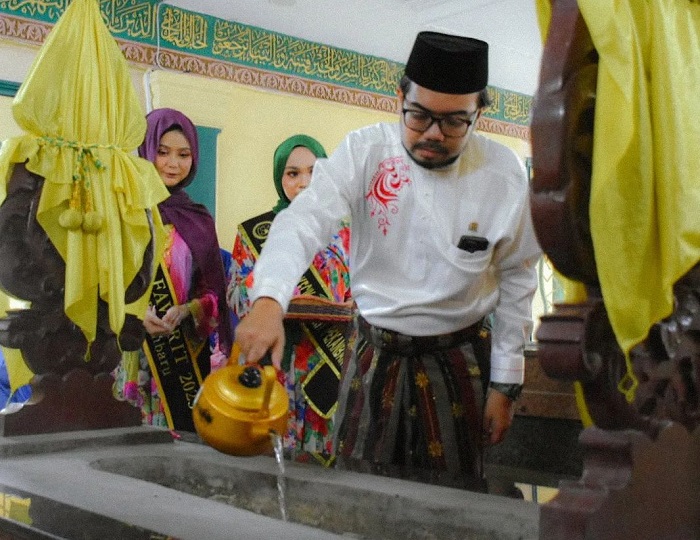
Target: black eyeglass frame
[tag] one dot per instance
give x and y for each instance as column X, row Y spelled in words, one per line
column 438, row 119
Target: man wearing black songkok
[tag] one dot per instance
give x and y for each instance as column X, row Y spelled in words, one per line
column 441, row 237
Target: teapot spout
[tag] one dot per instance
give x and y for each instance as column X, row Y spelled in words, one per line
column 261, row 432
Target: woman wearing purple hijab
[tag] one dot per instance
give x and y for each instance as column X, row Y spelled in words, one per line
column 188, row 300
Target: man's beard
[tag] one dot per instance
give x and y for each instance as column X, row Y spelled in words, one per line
column 435, row 147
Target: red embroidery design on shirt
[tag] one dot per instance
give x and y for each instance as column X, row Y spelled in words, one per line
column 391, row 176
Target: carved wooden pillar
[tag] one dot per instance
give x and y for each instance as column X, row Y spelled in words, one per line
column 641, row 475
column 69, row 393
column 632, row 487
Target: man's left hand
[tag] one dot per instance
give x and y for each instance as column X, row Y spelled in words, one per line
column 498, row 416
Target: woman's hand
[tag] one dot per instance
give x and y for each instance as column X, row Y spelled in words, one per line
column 155, row 326
column 176, row 314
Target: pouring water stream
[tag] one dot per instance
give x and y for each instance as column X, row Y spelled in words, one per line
column 281, row 480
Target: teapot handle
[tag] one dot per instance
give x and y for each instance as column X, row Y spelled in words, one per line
column 233, row 358
column 269, row 380
column 261, row 430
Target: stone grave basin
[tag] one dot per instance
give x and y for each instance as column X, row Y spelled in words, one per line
column 189, row 490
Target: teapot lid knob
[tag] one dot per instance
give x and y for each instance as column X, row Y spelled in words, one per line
column 250, row 377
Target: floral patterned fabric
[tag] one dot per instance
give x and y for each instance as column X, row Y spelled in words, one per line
column 309, row 435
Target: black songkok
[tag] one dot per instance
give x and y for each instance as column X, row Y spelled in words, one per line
column 449, row 64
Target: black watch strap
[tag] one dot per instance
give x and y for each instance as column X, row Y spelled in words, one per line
column 511, row 391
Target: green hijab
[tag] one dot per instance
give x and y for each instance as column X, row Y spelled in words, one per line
column 280, row 161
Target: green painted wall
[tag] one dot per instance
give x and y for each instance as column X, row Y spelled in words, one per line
column 203, row 187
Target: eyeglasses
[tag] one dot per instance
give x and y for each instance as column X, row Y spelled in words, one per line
column 451, row 125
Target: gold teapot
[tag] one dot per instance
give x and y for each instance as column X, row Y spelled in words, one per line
column 237, row 408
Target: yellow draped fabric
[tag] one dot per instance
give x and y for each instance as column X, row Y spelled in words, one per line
column 17, row 371
column 645, row 194
column 544, row 15
column 645, row 191
column 82, row 122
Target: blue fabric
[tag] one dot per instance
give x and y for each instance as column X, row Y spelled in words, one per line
column 227, row 259
column 22, row 394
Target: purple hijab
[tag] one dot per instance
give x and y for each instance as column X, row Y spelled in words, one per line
column 192, row 220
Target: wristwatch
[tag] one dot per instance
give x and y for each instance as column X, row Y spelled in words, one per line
column 511, row 391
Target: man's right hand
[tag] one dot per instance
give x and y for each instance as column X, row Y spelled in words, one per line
column 261, row 330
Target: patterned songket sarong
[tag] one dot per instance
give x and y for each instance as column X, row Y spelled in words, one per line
column 412, row 407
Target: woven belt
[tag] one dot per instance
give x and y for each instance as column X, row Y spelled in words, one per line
column 391, row 341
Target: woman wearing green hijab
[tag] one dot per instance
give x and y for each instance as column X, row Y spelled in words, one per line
column 316, row 330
